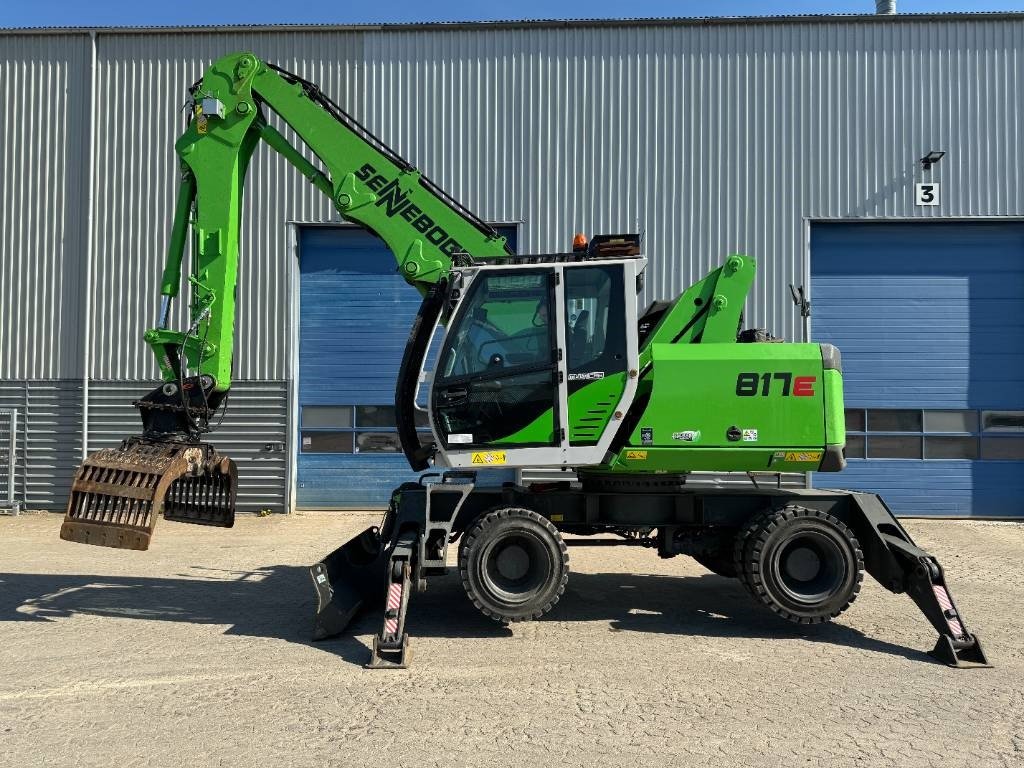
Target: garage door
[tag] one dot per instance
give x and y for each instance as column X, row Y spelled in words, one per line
column 930, row 321
column 354, row 317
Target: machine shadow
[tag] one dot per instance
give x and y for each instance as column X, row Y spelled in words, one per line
column 278, row 602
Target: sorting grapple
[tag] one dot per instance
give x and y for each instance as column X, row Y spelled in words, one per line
column 119, row 493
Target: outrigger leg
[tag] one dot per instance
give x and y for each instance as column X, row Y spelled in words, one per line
column 391, row 645
column 899, row 565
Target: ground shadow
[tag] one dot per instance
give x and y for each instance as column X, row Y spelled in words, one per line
column 278, row 602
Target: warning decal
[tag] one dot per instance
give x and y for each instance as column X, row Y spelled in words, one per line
column 803, row 456
column 489, row 457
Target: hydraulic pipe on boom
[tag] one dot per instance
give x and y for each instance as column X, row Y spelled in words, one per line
column 118, row 494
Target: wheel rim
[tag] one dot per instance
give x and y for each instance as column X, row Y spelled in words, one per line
column 515, row 568
column 809, row 567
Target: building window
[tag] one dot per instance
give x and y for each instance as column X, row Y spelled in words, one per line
column 940, row 434
column 355, row 429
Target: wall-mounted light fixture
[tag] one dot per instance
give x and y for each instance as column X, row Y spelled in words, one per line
column 931, row 159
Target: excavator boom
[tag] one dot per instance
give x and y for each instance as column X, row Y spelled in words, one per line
column 118, row 494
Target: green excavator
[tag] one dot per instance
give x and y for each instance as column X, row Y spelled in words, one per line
column 544, row 361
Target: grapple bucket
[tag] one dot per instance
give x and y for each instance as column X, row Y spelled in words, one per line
column 119, row 493
column 353, row 575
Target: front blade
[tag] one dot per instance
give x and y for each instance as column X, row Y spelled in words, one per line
column 350, row 577
column 119, row 493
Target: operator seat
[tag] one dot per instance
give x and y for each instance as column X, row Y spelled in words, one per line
column 579, row 344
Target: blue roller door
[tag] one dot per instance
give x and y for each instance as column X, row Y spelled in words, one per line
column 930, row 321
column 355, row 312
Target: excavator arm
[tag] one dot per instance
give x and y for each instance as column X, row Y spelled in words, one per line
column 369, row 184
column 118, row 494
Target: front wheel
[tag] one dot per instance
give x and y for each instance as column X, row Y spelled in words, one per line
column 513, row 564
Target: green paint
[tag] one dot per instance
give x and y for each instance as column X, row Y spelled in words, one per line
column 708, row 403
column 591, row 408
column 586, row 402
column 540, row 431
column 835, row 417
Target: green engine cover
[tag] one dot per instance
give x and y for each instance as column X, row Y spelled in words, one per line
column 734, row 407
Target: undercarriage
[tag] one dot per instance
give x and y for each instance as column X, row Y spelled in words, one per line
column 800, row 553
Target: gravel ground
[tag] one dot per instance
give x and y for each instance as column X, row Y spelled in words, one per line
column 196, row 654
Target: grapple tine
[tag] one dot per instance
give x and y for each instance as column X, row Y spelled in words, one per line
column 119, row 493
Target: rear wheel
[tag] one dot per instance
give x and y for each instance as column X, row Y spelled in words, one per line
column 805, row 565
column 513, row 564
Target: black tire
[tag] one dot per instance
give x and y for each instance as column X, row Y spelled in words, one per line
column 744, row 538
column 513, row 564
column 720, row 563
column 805, row 565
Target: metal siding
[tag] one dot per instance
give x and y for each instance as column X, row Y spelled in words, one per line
column 927, row 315
column 709, row 139
column 44, row 87
column 256, row 416
column 49, row 441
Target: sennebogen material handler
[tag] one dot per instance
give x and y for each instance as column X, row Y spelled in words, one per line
column 544, row 361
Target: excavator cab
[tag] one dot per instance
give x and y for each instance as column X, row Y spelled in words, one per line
column 535, row 361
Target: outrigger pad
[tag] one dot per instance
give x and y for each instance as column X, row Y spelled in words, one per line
column 966, row 657
column 119, row 493
column 390, row 658
column 352, row 575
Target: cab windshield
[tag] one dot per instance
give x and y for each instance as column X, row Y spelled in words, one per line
column 504, row 325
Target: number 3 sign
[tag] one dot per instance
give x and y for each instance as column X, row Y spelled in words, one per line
column 926, row 193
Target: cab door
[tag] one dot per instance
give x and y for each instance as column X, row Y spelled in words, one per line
column 496, row 381
column 596, row 353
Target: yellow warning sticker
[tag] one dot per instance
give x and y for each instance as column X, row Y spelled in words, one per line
column 803, row 456
column 489, row 457
column 637, row 455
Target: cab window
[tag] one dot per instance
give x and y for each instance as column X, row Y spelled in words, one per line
column 504, row 325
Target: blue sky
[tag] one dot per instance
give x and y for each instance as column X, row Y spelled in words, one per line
column 21, row 13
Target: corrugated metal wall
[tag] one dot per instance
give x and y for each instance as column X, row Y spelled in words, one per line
column 44, row 89
column 708, row 137
column 49, row 438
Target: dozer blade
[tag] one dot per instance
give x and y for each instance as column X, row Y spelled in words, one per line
column 119, row 493
column 353, row 575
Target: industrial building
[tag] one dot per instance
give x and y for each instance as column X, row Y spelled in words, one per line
column 870, row 160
